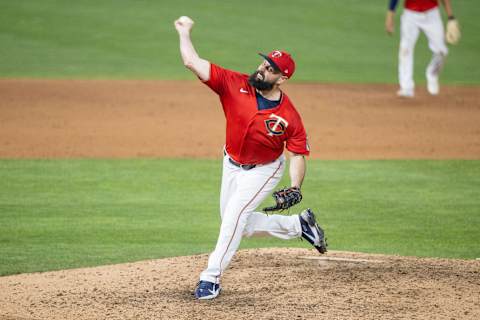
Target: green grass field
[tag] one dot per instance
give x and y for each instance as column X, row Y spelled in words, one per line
column 333, row 41
column 59, row 214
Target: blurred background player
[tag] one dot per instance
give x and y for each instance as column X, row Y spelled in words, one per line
column 421, row 15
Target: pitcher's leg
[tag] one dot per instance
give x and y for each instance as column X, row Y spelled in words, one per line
column 229, row 183
column 252, row 188
column 276, row 225
column 229, row 239
column 304, row 225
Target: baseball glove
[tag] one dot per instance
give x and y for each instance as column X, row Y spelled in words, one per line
column 453, row 33
column 285, row 198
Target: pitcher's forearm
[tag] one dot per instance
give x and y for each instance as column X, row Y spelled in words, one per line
column 297, row 170
column 189, row 55
column 191, row 60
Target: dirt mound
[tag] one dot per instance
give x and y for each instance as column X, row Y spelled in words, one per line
column 109, row 119
column 261, row 284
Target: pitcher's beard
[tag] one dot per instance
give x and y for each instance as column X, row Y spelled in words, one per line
column 261, row 85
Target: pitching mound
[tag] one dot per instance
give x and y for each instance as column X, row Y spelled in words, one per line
column 261, row 284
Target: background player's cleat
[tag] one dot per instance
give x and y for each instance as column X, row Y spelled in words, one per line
column 406, row 93
column 207, row 290
column 432, row 84
column 312, row 232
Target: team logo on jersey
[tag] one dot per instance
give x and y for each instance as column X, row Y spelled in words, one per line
column 276, row 125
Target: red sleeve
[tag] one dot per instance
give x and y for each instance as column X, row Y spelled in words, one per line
column 297, row 143
column 218, row 79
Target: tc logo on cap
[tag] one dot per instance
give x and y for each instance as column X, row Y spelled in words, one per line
column 276, row 54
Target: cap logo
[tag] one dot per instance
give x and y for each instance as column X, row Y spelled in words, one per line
column 276, row 54
column 286, row 70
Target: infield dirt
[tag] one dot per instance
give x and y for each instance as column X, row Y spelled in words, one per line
column 110, row 119
column 74, row 119
column 261, row 284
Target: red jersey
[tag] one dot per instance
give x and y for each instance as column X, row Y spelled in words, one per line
column 420, row 5
column 255, row 136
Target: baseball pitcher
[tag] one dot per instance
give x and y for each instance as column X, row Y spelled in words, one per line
column 261, row 120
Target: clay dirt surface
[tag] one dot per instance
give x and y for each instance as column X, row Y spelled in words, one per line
column 109, row 119
column 128, row 119
column 261, row 284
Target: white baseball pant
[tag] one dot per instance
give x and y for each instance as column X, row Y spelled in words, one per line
column 242, row 192
column 412, row 22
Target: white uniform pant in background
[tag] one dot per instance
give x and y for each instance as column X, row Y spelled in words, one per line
column 241, row 193
column 412, row 23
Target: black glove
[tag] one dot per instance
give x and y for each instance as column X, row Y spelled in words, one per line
column 285, row 198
